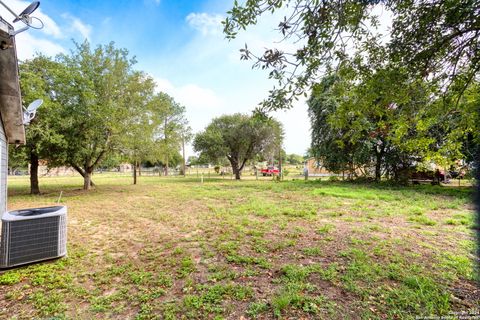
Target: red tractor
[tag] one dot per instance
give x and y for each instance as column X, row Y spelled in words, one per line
column 269, row 171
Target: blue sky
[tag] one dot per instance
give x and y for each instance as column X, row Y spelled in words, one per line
column 180, row 44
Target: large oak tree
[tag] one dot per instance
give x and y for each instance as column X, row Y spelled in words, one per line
column 37, row 79
column 239, row 138
column 94, row 105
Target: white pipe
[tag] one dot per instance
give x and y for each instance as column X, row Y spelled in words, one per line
column 11, row 11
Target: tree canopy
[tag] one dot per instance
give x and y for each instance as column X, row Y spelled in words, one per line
column 94, row 103
column 380, row 101
column 171, row 128
column 42, row 139
column 435, row 39
column 239, row 138
column 381, row 120
column 97, row 106
column 294, row 159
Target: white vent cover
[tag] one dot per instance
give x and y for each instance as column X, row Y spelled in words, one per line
column 32, row 235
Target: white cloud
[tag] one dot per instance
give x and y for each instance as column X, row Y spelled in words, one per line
column 201, row 104
column 77, row 26
column 241, row 87
column 190, row 95
column 50, row 27
column 84, row 29
column 207, row 24
column 296, row 124
column 28, row 46
column 205, row 74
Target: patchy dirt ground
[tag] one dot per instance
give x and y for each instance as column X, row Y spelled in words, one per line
column 179, row 249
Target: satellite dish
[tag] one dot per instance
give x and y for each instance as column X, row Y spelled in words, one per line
column 24, row 17
column 32, row 107
column 28, row 10
column 31, row 111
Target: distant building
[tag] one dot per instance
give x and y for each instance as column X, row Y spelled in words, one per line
column 44, row 171
column 125, row 167
column 315, row 168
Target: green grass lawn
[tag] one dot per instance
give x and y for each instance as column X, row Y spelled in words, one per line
column 178, row 249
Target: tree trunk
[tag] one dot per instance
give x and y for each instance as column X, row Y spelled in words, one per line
column 183, row 161
column 166, row 166
column 34, row 188
column 237, row 173
column 378, row 173
column 87, row 180
column 477, row 194
column 235, row 169
column 84, row 174
column 135, row 172
column 166, row 144
column 280, row 173
column 378, row 164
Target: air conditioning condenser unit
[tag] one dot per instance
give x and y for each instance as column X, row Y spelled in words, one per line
column 31, row 235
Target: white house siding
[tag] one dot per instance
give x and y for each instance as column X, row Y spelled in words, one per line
column 3, row 169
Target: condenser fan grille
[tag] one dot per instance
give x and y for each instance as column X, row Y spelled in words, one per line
column 31, row 240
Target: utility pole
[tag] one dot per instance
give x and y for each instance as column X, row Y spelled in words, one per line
column 280, row 172
column 183, row 151
column 166, row 148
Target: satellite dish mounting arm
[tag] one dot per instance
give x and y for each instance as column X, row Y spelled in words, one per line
column 24, row 17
